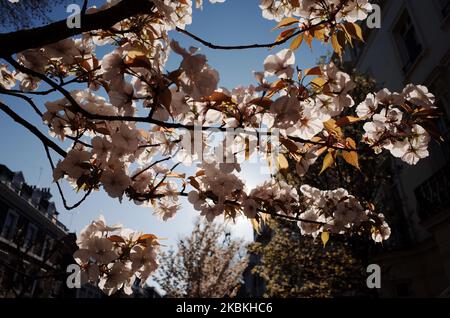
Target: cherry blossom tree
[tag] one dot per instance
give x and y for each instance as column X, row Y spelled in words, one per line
column 132, row 125
column 207, row 264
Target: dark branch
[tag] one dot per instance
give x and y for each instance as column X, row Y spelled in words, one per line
column 252, row 46
column 48, row 142
column 15, row 42
column 61, row 193
column 25, row 98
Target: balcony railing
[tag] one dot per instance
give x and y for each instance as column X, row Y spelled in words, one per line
column 433, row 195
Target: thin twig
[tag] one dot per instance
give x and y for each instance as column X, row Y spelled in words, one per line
column 63, row 198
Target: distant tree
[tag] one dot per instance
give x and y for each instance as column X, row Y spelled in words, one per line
column 28, row 13
column 293, row 265
column 206, row 264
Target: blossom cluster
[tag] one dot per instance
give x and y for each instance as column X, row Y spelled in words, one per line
column 396, row 122
column 336, row 211
column 216, row 188
column 303, row 116
column 346, row 10
column 113, row 256
column 220, row 191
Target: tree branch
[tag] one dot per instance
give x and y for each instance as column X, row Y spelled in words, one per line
column 15, row 42
column 25, row 98
column 61, row 193
column 46, row 141
column 244, row 46
column 255, row 46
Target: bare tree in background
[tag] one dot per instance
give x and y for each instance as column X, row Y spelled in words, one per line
column 206, row 264
column 28, row 13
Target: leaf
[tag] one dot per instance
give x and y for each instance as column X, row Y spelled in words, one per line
column 264, row 217
column 320, row 33
column 269, row 158
column 328, row 161
column 337, row 47
column 116, row 239
column 145, row 237
column 290, row 145
column 256, row 225
column 218, row 98
column 275, row 87
column 282, row 163
column 261, row 101
column 308, row 38
column 432, row 129
column 247, row 148
column 295, row 44
column 165, row 97
column 332, row 128
column 285, row 22
column 351, row 157
column 347, row 120
column 138, row 61
column 193, row 182
column 285, row 34
column 200, row 173
column 176, row 175
column 318, row 82
column 102, row 130
column 325, row 236
column 174, row 75
column 354, row 30
column 313, row 71
column 135, row 53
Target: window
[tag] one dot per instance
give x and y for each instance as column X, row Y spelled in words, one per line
column 10, row 224
column 47, row 247
column 39, row 242
column 2, row 274
column 30, row 236
column 407, row 41
column 443, row 126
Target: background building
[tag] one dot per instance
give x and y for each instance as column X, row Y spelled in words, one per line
column 36, row 248
column 34, row 245
column 413, row 46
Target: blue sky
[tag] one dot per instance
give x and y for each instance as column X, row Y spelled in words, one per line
column 233, row 22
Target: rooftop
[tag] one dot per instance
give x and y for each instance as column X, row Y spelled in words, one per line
column 37, row 198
